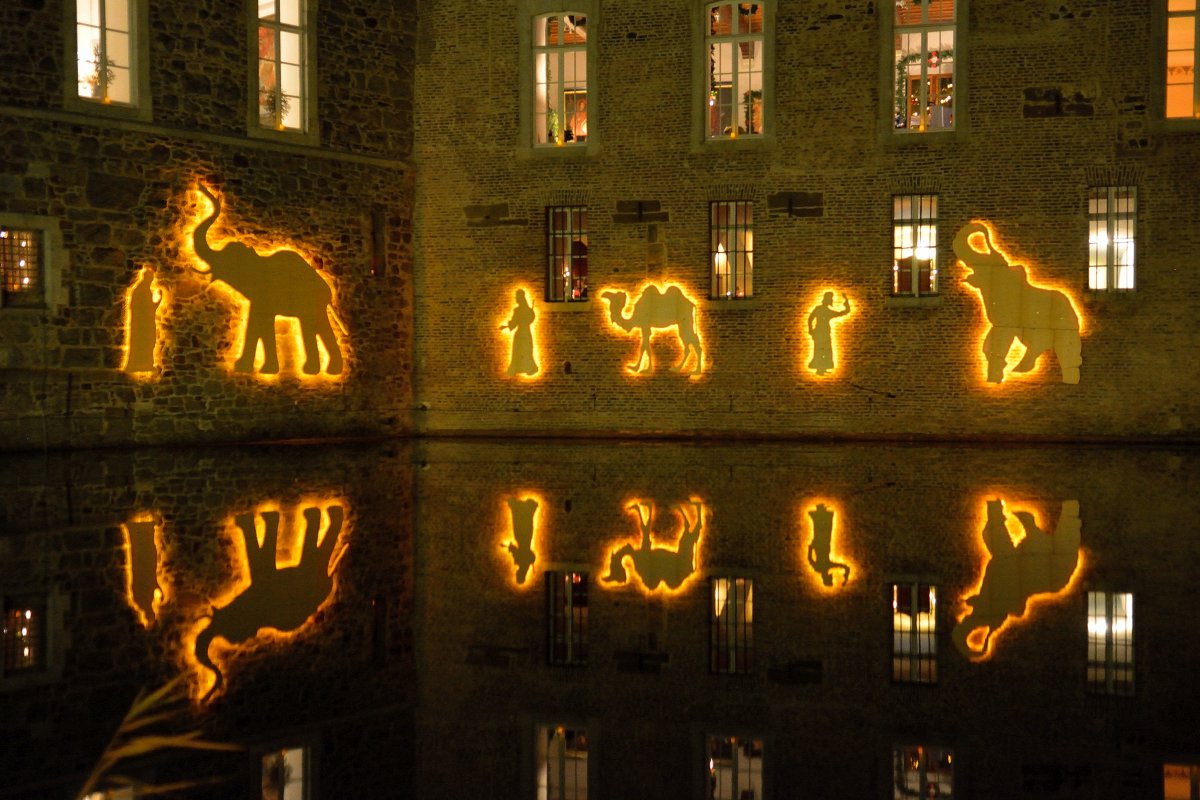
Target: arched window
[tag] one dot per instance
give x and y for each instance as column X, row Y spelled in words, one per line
column 735, row 41
column 560, row 79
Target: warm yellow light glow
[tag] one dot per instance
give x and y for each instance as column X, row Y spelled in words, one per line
column 516, row 335
column 811, row 366
column 519, row 545
column 657, row 309
column 145, row 339
column 658, row 569
column 288, row 336
column 147, row 586
column 823, row 564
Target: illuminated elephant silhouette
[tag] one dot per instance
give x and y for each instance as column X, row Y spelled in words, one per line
column 280, row 599
column 658, row 308
column 281, row 284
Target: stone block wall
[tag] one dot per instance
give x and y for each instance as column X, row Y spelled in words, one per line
column 118, row 194
column 1051, row 99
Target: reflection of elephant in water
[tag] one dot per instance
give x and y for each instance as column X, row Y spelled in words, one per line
column 282, row 599
column 281, row 284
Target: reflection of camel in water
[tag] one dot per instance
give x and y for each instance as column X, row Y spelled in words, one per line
column 657, row 566
column 656, row 308
column 279, row 598
column 521, row 548
column 144, row 591
column 1042, row 319
column 820, row 549
column 1041, row 563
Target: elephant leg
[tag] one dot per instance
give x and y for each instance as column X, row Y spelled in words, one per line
column 1068, row 349
column 995, row 347
column 259, row 328
column 1036, row 342
column 319, row 328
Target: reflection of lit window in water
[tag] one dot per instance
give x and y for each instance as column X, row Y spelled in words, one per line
column 735, row 768
column 562, row 763
column 566, row 598
column 1181, row 781
column 1110, row 642
column 284, row 774
column 731, row 642
column 919, row 771
column 24, row 634
column 914, row 633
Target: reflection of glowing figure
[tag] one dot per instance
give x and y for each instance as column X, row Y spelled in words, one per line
column 282, row 599
column 820, row 330
column 658, row 308
column 144, row 592
column 657, row 566
column 1041, row 563
column 521, row 323
column 521, row 548
column 1041, row 319
column 144, row 301
column 820, row 549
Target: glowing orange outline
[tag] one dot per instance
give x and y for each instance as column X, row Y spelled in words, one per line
column 697, row 561
column 289, row 536
column 975, row 639
column 834, row 335
column 835, row 554
column 288, row 341
column 1012, row 358
column 505, row 353
column 160, row 331
column 161, row 576
column 655, row 332
column 508, row 535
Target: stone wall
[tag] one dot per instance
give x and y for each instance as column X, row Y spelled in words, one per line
column 1051, row 99
column 120, row 194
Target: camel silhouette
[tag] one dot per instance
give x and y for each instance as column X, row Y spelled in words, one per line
column 657, row 309
column 282, row 599
column 658, row 566
column 1041, row 563
column 1041, row 319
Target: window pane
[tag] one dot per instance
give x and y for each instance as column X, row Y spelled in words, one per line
column 20, row 267
column 289, row 12
column 734, row 767
column 117, row 49
column 88, row 12
column 116, row 15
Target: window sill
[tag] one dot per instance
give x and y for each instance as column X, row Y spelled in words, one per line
column 939, row 138
column 563, row 307
column 99, row 108
column 580, row 150
column 764, row 141
column 731, row 304
column 908, row 301
column 307, row 137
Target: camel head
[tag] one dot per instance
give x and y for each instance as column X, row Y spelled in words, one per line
column 616, row 307
column 616, row 567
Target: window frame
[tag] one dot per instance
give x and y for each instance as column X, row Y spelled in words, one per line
column 53, row 605
column 888, row 131
column 918, row 666
column 898, row 751
column 1112, row 215
column 733, row 741
column 540, row 754
column 1108, row 668
column 574, row 631
column 53, row 262
column 556, row 256
column 701, row 88
column 139, row 105
column 1162, row 24
column 737, row 642
column 527, row 12
column 309, row 132
column 306, row 760
column 914, row 272
column 745, row 253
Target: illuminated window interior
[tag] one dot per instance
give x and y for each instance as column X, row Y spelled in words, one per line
column 731, row 248
column 20, row 267
column 923, row 46
column 735, row 768
column 1181, row 781
column 562, row 763
column 1112, row 229
column 567, row 253
column 914, row 245
column 104, row 50
column 560, row 88
column 567, row 602
column 731, row 641
column 1183, row 34
column 1110, row 643
column 919, row 771
column 735, row 70
column 914, row 633
column 24, row 635
column 285, row 774
column 282, row 29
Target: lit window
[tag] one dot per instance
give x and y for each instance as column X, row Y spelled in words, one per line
column 1183, row 37
column 731, row 641
column 567, row 601
column 731, row 249
column 282, row 65
column 914, row 633
column 736, row 57
column 20, row 267
column 1181, row 781
column 285, row 774
column 1110, row 643
column 562, row 763
column 914, row 245
column 919, row 771
column 923, row 46
column 566, row 254
column 735, row 769
column 1112, row 230
column 24, row 635
column 560, row 79
column 104, row 50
